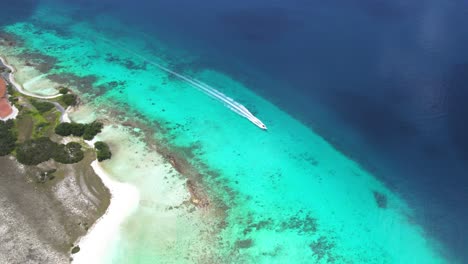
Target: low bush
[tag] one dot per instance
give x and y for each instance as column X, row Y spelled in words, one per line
column 68, row 129
column 69, row 99
column 10, row 89
column 69, row 153
column 35, row 151
column 63, row 90
column 7, row 137
column 42, row 107
column 91, row 130
column 87, row 131
column 103, row 151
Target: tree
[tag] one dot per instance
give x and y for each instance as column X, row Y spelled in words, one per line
column 35, row 151
column 103, row 151
column 7, row 137
column 42, row 107
column 67, row 129
column 91, row 130
column 69, row 99
column 63, row 90
column 68, row 154
column 87, row 131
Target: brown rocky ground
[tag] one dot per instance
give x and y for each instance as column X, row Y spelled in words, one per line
column 42, row 216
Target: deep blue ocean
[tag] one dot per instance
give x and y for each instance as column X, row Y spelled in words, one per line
column 385, row 81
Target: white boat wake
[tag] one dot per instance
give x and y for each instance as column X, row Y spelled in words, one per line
column 205, row 88
column 236, row 107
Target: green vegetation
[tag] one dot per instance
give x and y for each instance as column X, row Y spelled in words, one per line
column 35, row 151
column 69, row 153
column 67, row 129
column 7, row 137
column 10, row 89
column 87, row 131
column 12, row 94
column 103, row 151
column 45, row 176
column 42, row 107
column 75, row 249
column 69, row 99
column 63, row 90
column 34, row 126
column 92, row 130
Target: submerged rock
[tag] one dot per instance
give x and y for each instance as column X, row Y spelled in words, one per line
column 380, row 199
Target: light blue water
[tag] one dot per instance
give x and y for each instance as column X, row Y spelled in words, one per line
column 290, row 195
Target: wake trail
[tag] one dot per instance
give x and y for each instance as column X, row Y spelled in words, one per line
column 230, row 103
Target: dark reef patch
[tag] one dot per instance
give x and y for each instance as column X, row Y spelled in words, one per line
column 247, row 243
column 39, row 61
column 302, row 223
column 380, row 199
column 127, row 63
column 322, row 248
column 85, row 84
column 10, row 40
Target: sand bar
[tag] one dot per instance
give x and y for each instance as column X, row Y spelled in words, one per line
column 19, row 87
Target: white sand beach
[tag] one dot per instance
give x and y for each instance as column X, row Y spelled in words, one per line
column 102, row 234
column 19, row 87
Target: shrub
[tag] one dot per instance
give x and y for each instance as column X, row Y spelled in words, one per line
column 67, row 129
column 68, row 154
column 87, row 131
column 42, row 106
column 75, row 250
column 7, row 137
column 103, row 151
column 35, row 151
column 91, row 130
column 69, row 99
column 63, row 90
column 10, row 89
column 12, row 99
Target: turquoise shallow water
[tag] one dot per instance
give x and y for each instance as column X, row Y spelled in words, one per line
column 291, row 196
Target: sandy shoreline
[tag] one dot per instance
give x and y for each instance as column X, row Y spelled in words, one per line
column 124, row 200
column 124, row 197
column 19, row 87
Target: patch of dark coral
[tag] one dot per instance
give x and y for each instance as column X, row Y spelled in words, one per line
column 115, row 84
column 10, row 40
column 268, row 223
column 302, row 223
column 322, row 248
column 39, row 61
column 84, row 84
column 127, row 63
column 380, row 199
column 246, row 243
